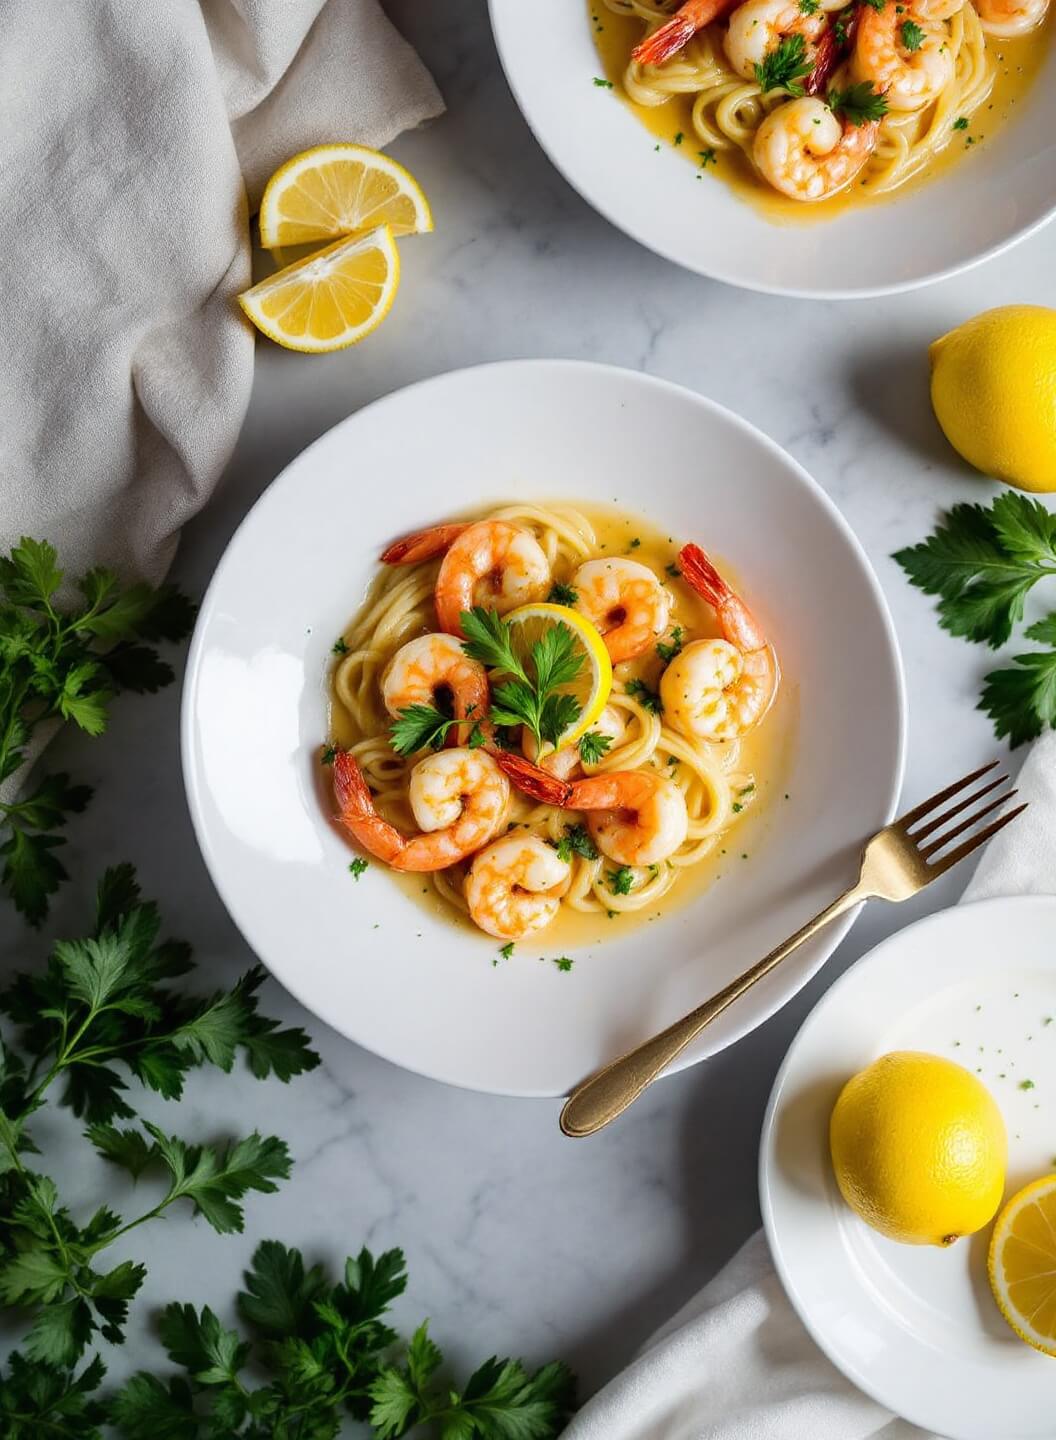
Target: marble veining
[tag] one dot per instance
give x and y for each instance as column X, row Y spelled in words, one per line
column 516, row 1238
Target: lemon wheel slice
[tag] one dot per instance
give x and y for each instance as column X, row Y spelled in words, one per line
column 1022, row 1264
column 335, row 190
column 331, row 299
column 592, row 685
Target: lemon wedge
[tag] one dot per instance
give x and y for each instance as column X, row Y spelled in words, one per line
column 593, row 683
column 330, row 299
column 335, row 190
column 1022, row 1264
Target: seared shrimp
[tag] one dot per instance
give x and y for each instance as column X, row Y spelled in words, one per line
column 493, row 563
column 909, row 79
column 459, row 799
column 635, row 817
column 435, row 670
column 625, row 602
column 804, row 151
column 679, row 30
column 759, row 26
column 514, row 886
column 718, row 689
column 1009, row 18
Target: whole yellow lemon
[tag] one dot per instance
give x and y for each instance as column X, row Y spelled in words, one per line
column 919, row 1148
column 993, row 388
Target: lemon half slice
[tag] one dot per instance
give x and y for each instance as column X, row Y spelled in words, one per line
column 1022, row 1264
column 331, row 299
column 336, row 190
column 592, row 685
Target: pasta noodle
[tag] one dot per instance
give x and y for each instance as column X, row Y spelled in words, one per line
column 713, row 778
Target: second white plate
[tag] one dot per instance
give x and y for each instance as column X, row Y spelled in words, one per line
column 916, row 1327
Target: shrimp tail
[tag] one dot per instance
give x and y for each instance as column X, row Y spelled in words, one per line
column 532, row 780
column 679, row 30
column 351, row 789
column 702, row 575
column 422, row 545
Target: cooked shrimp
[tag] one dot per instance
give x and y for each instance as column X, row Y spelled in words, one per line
column 493, row 563
column 679, row 30
column 635, row 817
column 435, row 670
column 804, row 151
column 908, row 78
column 759, row 26
column 422, row 545
column 718, row 689
column 625, row 601
column 1009, row 18
column 459, row 799
column 565, row 762
column 514, row 886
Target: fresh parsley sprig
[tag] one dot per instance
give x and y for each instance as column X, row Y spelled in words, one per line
column 531, row 696
column 66, row 662
column 859, row 104
column 784, row 66
column 593, row 745
column 576, row 841
column 982, row 562
column 421, row 727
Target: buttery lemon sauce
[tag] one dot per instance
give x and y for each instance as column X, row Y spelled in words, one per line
column 765, row 753
column 1017, row 65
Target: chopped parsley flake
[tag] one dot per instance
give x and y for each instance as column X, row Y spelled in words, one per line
column 1026, row 1084
column 357, row 867
column 339, row 646
column 707, row 157
column 621, row 881
column 961, row 123
column 668, row 652
column 634, row 543
column 912, row 35
column 506, row 950
column 576, row 841
column 679, row 138
column 673, row 571
column 858, row 104
column 329, row 755
column 562, row 594
column 647, row 699
column 563, row 962
column 592, row 746
column 602, row 84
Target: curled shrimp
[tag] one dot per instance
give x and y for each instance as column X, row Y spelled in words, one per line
column 909, row 78
column 625, row 602
column 635, row 817
column 670, row 37
column 514, row 886
column 718, row 689
column 493, row 563
column 804, row 151
column 759, row 26
column 1008, row 18
column 435, row 670
column 459, row 799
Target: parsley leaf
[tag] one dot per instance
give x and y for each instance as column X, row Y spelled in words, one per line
column 648, row 699
column 506, row 950
column 982, row 564
column 358, row 866
column 858, row 104
column 784, row 66
column 1022, row 701
column 576, row 841
column 621, row 881
column 593, row 745
column 531, row 697
column 912, row 35
column 961, row 123
column 562, row 594
column 418, row 727
column 668, row 652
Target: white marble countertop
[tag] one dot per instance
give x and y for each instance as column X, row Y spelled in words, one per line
column 518, row 1239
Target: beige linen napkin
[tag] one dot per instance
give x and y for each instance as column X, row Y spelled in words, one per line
column 129, row 127
column 736, row 1363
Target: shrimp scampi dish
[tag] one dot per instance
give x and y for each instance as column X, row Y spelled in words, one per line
column 818, row 100
column 547, row 712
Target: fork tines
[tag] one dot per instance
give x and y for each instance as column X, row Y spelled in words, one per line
column 930, row 852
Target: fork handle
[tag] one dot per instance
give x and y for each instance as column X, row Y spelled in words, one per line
column 608, row 1092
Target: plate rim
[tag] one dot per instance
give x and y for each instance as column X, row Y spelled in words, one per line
column 760, row 286
column 191, row 781
column 765, row 1163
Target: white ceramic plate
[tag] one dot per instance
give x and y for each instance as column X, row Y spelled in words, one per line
column 913, row 1326
column 422, row 991
column 1005, row 189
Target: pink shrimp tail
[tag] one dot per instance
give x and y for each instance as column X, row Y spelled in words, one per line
column 702, row 575
column 679, row 30
column 351, row 789
column 422, row 545
column 532, row 780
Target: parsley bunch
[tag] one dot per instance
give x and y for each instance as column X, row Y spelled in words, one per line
column 105, row 1001
column 982, row 562
column 66, row 663
column 531, row 696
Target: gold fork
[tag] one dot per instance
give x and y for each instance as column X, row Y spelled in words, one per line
column 896, row 864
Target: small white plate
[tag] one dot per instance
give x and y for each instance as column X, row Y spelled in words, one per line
column 409, row 984
column 914, row 1326
column 1000, row 193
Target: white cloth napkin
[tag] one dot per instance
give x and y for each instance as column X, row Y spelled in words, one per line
column 129, row 127
column 736, row 1362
